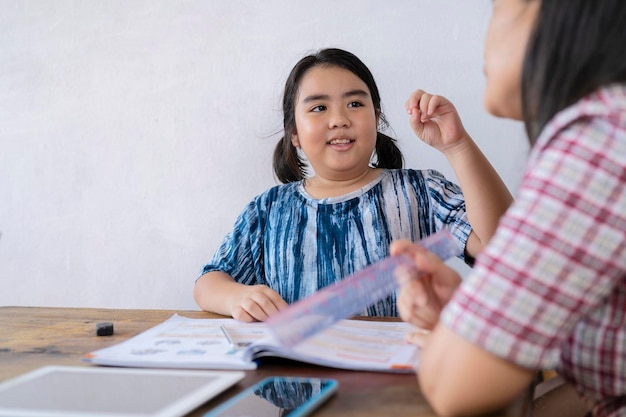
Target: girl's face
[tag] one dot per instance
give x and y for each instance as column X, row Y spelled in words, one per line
column 336, row 122
column 509, row 29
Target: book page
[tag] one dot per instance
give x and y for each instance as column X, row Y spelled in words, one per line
column 186, row 343
column 181, row 342
column 352, row 344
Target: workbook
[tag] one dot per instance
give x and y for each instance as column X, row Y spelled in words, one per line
column 186, row 343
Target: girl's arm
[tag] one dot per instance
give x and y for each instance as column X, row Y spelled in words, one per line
column 219, row 293
column 435, row 121
column 486, row 196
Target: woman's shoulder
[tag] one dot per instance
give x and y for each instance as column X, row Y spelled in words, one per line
column 608, row 101
column 603, row 109
column 592, row 129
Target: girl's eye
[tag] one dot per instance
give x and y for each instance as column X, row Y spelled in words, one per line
column 355, row 104
column 318, row 108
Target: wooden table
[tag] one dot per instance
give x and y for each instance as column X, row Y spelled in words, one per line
column 31, row 337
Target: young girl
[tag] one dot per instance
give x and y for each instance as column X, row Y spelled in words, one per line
column 549, row 291
column 316, row 229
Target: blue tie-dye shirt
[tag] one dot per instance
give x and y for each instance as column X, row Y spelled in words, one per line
column 296, row 244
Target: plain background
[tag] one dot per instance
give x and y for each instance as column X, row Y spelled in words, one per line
column 132, row 133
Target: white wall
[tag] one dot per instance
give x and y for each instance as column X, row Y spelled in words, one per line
column 132, row 133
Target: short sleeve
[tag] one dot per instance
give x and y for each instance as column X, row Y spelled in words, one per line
column 448, row 208
column 238, row 254
column 558, row 253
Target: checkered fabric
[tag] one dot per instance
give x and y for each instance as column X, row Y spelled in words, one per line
column 549, row 292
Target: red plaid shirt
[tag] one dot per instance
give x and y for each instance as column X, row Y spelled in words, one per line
column 549, row 291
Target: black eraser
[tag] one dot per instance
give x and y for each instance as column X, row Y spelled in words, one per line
column 104, row 329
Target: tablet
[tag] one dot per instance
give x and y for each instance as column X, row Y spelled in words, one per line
column 90, row 391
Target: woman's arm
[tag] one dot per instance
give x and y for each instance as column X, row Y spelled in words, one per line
column 458, row 378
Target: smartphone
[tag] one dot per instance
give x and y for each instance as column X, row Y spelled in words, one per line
column 278, row 396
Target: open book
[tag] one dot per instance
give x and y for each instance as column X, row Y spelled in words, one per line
column 186, row 343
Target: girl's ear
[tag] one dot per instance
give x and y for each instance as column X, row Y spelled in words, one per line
column 294, row 140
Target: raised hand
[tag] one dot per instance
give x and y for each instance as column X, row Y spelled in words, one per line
column 435, row 121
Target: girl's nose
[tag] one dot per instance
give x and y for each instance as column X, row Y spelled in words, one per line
column 339, row 119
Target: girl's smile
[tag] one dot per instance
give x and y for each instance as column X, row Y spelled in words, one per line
column 340, row 143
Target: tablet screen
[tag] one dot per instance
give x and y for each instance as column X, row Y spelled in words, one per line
column 96, row 391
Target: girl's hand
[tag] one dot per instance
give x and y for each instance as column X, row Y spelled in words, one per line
column 435, row 121
column 256, row 303
column 423, row 291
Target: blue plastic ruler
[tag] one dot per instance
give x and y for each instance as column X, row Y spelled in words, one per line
column 351, row 295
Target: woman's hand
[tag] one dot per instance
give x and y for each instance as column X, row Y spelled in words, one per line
column 424, row 291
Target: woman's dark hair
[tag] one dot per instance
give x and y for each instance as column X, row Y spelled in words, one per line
column 577, row 46
column 288, row 165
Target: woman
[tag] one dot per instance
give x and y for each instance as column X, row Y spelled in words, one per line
column 549, row 290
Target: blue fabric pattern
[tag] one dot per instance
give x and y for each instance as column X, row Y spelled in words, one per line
column 296, row 244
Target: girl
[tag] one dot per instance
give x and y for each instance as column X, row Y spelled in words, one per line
column 320, row 227
column 550, row 288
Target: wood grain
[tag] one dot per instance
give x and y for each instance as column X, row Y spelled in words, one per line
column 31, row 337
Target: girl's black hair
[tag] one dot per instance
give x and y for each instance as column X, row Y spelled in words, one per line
column 288, row 165
column 576, row 47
